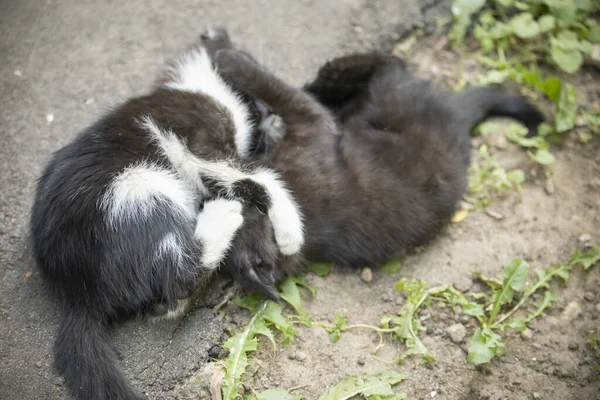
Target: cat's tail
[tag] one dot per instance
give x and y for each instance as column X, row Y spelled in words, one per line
column 86, row 360
column 476, row 104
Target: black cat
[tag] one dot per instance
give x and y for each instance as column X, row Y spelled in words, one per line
column 376, row 158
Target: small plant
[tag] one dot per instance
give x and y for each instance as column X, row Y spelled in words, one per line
column 499, row 310
column 560, row 32
column 488, row 179
column 368, row 386
column 514, row 36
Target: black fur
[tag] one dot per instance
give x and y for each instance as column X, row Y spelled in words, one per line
column 376, row 158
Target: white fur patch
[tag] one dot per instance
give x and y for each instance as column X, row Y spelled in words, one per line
column 217, row 224
column 193, row 72
column 169, row 246
column 172, row 147
column 174, row 313
column 138, row 190
column 284, row 213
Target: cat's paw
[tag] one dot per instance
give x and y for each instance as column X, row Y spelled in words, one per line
column 216, row 227
column 215, row 39
column 288, row 227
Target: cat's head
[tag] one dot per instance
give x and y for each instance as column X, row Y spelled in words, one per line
column 233, row 120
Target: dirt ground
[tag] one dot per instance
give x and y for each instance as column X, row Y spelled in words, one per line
column 543, row 225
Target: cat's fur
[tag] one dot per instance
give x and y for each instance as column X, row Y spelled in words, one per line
column 141, row 206
column 376, row 158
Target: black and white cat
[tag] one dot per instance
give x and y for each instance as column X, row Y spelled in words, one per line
column 376, row 158
column 141, row 206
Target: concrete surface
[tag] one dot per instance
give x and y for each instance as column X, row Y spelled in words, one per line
column 72, row 59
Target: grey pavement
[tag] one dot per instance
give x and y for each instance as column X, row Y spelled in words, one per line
column 62, row 63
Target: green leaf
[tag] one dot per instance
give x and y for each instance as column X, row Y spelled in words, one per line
column 335, row 332
column 473, row 309
column 406, row 324
column 495, row 76
column 239, row 345
column 392, row 267
column 542, row 156
column 515, row 274
column 546, row 302
column 594, row 34
column 547, row 22
column 290, row 293
column 586, row 259
column 321, row 269
column 485, row 128
column 301, row 281
column 564, row 11
column 566, row 109
column 366, row 385
column 483, row 346
column 462, row 10
column 516, row 133
column 545, row 129
column 524, row 26
column 568, row 60
column 277, row 394
column 518, row 324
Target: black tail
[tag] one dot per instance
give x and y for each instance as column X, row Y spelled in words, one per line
column 85, row 359
column 476, row 104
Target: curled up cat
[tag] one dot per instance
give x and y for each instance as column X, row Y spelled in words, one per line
column 142, row 206
column 376, row 158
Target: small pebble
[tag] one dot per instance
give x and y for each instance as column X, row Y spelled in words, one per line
column 573, row 346
column 49, row 118
column 89, row 101
column 361, row 361
column 214, row 351
column 536, row 395
column 494, row 214
column 456, row 333
column 38, row 364
column 366, row 274
column 549, row 188
column 300, row 356
column 17, row 72
column 597, row 307
column 464, row 284
column 28, row 274
column 527, row 334
column 572, row 310
column 429, row 28
column 292, row 356
column 589, row 296
column 585, row 237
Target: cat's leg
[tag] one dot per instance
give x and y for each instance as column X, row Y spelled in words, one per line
column 262, row 188
column 292, row 104
column 343, row 78
column 215, row 229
